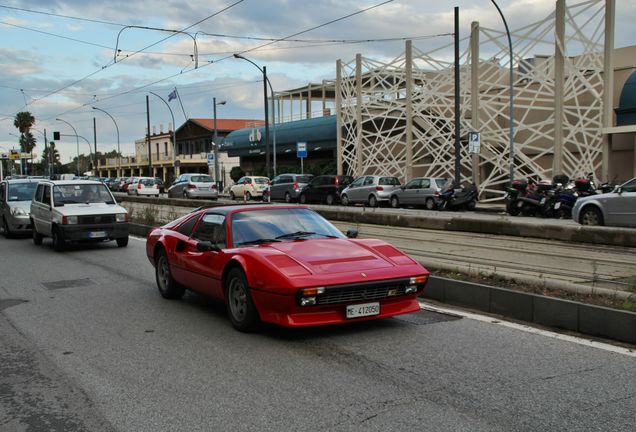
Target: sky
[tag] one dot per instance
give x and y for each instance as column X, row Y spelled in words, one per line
column 58, row 57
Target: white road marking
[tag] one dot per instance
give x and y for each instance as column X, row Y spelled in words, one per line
column 529, row 329
column 141, row 239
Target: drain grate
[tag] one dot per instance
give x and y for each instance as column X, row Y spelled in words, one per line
column 72, row 283
column 7, row 303
column 425, row 317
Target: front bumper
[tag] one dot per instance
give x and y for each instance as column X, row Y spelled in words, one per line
column 95, row 232
column 20, row 223
column 283, row 310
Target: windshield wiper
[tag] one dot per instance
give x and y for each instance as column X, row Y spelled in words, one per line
column 296, row 234
column 257, row 241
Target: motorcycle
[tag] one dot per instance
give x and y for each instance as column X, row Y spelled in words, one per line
column 464, row 198
column 528, row 198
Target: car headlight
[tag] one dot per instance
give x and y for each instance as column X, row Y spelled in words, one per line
column 121, row 217
column 69, row 220
column 17, row 211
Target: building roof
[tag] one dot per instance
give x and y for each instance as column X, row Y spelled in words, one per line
column 319, row 133
column 226, row 124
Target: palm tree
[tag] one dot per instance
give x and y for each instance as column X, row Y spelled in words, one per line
column 24, row 121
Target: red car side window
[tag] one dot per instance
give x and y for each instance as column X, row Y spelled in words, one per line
column 187, row 226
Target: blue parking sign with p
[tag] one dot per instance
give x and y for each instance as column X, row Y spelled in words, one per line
column 301, row 149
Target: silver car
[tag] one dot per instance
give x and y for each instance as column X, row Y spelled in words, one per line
column 286, row 187
column 421, row 191
column 15, row 204
column 194, row 185
column 370, row 190
column 617, row 208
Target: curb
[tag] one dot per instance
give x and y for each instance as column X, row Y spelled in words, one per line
column 548, row 311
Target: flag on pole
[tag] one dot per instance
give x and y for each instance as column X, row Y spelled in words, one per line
column 172, row 95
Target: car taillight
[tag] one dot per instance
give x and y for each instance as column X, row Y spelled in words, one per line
column 436, row 194
column 157, row 186
column 139, row 185
column 191, row 186
column 379, row 188
column 295, row 186
column 337, row 181
column 213, row 186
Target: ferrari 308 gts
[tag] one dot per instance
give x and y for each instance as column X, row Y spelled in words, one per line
column 285, row 265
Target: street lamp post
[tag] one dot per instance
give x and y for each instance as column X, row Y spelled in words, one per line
column 266, row 82
column 174, row 135
column 77, row 139
column 511, row 144
column 87, row 142
column 216, row 144
column 118, row 151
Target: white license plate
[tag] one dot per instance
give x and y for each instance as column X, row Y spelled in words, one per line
column 204, row 188
column 362, row 310
column 97, row 234
column 557, row 206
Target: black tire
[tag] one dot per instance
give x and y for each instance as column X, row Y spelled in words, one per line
column 429, row 204
column 330, row 199
column 238, row 301
column 37, row 237
column 471, row 205
column 395, row 202
column 303, row 199
column 264, row 197
column 373, row 201
column 185, row 194
column 122, row 242
column 512, row 208
column 232, row 197
column 58, row 240
column 248, row 196
column 168, row 287
column 288, row 197
column 591, row 215
column 344, row 199
column 6, row 231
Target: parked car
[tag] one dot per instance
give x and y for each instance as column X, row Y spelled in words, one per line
column 617, row 208
column 421, row 191
column 144, row 186
column 324, row 188
column 286, row 187
column 77, row 211
column 15, row 205
column 285, row 265
column 248, row 187
column 370, row 190
column 194, row 185
column 125, row 183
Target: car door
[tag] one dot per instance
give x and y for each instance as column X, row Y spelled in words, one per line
column 176, row 190
column 284, row 185
column 353, row 192
column 620, row 209
column 311, row 190
column 424, row 191
column 204, row 268
column 367, row 188
column 408, row 194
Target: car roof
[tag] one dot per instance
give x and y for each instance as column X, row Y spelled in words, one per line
column 22, row 180
column 224, row 210
column 73, row 182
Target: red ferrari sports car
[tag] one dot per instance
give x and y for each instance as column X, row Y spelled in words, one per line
column 285, row 265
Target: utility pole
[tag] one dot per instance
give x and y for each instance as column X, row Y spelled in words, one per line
column 457, row 107
column 95, row 141
column 47, row 168
column 149, row 146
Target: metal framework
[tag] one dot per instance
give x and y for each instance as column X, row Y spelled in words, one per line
column 397, row 117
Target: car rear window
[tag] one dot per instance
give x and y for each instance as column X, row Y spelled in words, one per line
column 201, row 179
column 261, row 180
column 148, row 182
column 303, row 179
column 389, row 181
column 441, row 182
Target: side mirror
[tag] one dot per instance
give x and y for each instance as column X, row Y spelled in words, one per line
column 352, row 233
column 207, row 246
column 619, row 190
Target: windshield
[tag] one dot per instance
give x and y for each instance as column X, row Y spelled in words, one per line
column 21, row 191
column 273, row 225
column 81, row 193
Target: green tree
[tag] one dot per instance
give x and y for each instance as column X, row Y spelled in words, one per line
column 236, row 173
column 54, row 161
column 24, row 121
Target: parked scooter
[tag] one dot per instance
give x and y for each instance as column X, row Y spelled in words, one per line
column 464, row 198
column 528, row 198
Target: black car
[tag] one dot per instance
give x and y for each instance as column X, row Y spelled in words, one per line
column 324, row 188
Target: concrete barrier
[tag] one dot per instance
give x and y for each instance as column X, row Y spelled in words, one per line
column 548, row 311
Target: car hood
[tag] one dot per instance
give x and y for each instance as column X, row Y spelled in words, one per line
column 89, row 209
column 24, row 205
column 326, row 256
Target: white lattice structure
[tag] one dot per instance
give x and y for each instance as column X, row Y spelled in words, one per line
column 397, row 117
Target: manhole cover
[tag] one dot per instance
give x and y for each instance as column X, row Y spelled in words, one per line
column 72, row 283
column 425, row 317
column 7, row 303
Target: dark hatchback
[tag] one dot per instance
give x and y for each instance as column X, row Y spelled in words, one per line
column 324, row 189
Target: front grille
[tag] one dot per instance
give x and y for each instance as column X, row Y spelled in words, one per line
column 361, row 293
column 96, row 219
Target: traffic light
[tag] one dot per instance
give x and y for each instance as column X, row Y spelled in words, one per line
column 56, row 136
